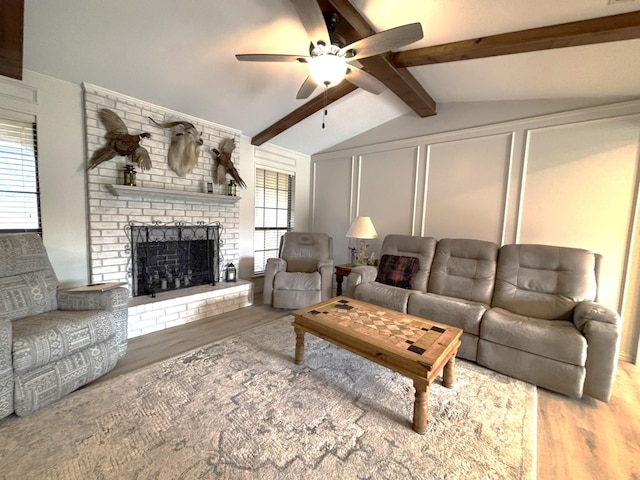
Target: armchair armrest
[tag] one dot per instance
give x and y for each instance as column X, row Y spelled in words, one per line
column 360, row 274
column 273, row 266
column 6, row 368
column 115, row 300
column 325, row 267
column 112, row 299
column 601, row 327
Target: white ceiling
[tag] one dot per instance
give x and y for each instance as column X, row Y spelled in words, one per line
column 180, row 54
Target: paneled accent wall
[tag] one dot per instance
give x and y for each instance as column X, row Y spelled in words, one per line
column 567, row 179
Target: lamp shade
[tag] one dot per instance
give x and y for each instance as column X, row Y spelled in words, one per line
column 327, row 70
column 362, row 227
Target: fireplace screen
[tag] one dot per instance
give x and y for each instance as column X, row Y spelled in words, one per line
column 173, row 256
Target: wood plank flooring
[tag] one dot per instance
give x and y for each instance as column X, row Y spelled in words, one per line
column 577, row 439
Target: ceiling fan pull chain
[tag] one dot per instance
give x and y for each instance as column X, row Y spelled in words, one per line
column 324, row 114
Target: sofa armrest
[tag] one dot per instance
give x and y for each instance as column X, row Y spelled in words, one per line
column 6, row 368
column 115, row 300
column 601, row 327
column 586, row 312
column 273, row 266
column 358, row 275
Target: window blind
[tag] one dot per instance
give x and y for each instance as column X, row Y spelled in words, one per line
column 273, row 214
column 19, row 191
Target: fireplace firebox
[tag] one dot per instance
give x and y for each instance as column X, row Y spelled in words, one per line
column 172, row 256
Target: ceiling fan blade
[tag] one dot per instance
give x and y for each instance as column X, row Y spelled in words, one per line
column 268, row 57
column 385, row 41
column 362, row 79
column 306, row 89
column 312, row 20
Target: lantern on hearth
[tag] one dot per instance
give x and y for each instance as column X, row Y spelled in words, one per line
column 230, row 275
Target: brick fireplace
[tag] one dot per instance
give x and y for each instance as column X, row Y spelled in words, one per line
column 161, row 197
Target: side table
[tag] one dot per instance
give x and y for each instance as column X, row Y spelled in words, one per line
column 341, row 272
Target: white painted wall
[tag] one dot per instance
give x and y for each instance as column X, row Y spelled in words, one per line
column 568, row 179
column 58, row 108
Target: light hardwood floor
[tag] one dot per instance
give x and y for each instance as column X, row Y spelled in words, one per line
column 577, row 439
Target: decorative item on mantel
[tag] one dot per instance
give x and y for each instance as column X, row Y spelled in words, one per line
column 129, row 175
column 230, row 275
column 232, row 188
column 362, row 228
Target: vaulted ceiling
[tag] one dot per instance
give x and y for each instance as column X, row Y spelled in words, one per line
column 181, row 55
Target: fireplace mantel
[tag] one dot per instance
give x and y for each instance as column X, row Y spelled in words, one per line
column 127, row 191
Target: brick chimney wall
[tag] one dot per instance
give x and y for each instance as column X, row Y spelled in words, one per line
column 186, row 198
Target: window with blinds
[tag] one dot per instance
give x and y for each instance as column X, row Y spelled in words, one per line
column 19, row 191
column 273, row 215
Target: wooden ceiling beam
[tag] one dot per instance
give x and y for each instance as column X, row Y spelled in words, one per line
column 353, row 26
column 613, row 28
column 11, row 38
column 308, row 109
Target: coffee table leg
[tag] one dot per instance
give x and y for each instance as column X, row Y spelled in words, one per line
column 299, row 345
column 420, row 407
column 448, row 373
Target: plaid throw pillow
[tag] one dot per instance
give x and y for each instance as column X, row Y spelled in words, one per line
column 397, row 271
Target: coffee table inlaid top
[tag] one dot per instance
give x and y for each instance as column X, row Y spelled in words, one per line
column 413, row 338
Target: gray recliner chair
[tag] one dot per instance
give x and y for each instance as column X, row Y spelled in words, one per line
column 52, row 342
column 303, row 272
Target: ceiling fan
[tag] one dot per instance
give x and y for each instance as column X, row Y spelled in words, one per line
column 329, row 59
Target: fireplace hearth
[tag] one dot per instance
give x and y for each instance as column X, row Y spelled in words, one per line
column 172, row 256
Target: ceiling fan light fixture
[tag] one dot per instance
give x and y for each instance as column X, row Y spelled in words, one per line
column 328, row 70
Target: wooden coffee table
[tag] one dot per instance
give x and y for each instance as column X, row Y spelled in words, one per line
column 414, row 347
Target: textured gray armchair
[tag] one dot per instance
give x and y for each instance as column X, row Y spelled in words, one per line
column 51, row 342
column 303, row 273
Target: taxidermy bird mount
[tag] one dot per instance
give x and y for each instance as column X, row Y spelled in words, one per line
column 119, row 142
column 185, row 142
column 224, row 164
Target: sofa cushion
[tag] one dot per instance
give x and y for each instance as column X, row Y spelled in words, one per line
column 543, row 281
column 296, row 281
column 397, row 270
column 50, row 336
column 459, row 313
column 28, row 294
column 464, row 268
column 555, row 339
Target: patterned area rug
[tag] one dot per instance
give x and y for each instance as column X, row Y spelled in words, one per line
column 241, row 409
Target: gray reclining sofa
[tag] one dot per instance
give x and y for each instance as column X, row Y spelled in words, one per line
column 528, row 311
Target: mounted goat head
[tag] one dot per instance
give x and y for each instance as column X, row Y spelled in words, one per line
column 185, row 142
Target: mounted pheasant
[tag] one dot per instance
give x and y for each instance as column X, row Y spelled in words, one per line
column 120, row 142
column 224, row 164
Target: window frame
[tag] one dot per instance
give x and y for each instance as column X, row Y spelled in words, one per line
column 23, row 130
column 269, row 206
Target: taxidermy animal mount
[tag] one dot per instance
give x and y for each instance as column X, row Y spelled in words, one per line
column 224, row 164
column 185, row 142
column 119, row 142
